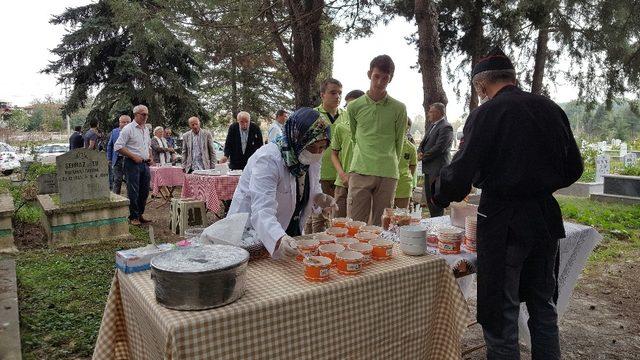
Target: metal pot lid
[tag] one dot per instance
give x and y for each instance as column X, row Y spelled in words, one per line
column 200, row 259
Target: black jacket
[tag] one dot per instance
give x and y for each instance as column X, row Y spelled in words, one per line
column 76, row 141
column 436, row 147
column 233, row 145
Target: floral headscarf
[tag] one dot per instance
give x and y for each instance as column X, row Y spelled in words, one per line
column 304, row 127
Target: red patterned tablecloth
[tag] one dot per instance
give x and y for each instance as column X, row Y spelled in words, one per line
column 165, row 176
column 209, row 188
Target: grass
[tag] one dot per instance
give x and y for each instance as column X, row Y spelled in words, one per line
column 619, row 225
column 62, row 296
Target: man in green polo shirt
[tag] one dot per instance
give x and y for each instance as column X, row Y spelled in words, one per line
column 406, row 168
column 342, row 151
column 378, row 123
column 330, row 94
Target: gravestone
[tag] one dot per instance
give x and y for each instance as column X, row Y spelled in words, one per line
column 83, row 174
column 623, row 149
column 630, row 159
column 47, row 183
column 603, row 167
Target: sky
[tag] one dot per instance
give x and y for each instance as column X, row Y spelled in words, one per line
column 28, row 38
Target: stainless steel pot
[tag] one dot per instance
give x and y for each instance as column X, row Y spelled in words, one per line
column 198, row 278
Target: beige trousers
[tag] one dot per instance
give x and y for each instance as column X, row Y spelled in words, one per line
column 369, row 196
column 402, row 203
column 317, row 222
column 341, row 199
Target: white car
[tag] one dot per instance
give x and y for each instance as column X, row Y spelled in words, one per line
column 9, row 160
column 47, row 154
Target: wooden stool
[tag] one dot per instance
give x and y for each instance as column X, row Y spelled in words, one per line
column 186, row 213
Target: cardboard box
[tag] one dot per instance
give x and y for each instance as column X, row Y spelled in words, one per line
column 139, row 259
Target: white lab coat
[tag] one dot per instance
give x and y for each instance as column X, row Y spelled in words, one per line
column 267, row 191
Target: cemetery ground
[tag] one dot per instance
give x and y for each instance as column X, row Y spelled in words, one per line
column 62, row 292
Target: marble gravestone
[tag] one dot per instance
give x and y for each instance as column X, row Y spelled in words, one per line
column 630, row 159
column 47, row 183
column 83, row 174
column 623, row 149
column 603, row 167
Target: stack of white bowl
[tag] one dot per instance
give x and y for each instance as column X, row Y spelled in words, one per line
column 470, row 228
column 413, row 240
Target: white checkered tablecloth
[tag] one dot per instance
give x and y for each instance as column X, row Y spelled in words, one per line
column 165, row 176
column 403, row 308
column 211, row 189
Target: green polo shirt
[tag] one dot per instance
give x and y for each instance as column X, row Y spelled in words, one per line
column 378, row 133
column 341, row 141
column 327, row 170
column 409, row 158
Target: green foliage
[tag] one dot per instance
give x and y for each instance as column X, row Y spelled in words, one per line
column 62, row 297
column 599, row 123
column 36, row 169
column 630, row 171
column 125, row 49
column 18, row 120
column 30, row 213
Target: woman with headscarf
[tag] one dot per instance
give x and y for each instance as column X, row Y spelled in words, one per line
column 280, row 185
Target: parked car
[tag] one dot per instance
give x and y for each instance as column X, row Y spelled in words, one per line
column 9, row 160
column 47, row 154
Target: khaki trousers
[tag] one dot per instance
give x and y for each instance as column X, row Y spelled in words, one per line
column 317, row 222
column 402, row 203
column 341, row 199
column 369, row 196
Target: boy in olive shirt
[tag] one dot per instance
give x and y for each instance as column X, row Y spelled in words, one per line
column 330, row 93
column 407, row 169
column 378, row 123
column 341, row 155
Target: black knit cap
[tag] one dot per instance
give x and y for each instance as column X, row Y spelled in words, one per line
column 495, row 60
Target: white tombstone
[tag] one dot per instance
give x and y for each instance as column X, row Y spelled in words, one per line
column 630, row 159
column 616, row 142
column 602, row 146
column 623, row 149
column 603, row 166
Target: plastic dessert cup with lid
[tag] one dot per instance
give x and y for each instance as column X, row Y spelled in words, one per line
column 349, row 262
column 340, row 222
column 365, row 237
column 354, row 227
column 346, row 241
column 317, row 268
column 382, row 249
column 325, row 238
column 372, row 229
column 306, row 247
column 364, row 249
column 330, row 251
column 337, row 232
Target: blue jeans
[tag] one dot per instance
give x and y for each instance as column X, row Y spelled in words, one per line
column 118, row 175
column 138, row 182
column 529, row 277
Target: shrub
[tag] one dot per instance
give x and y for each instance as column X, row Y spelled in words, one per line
column 36, row 169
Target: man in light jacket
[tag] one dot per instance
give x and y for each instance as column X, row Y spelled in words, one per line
column 198, row 151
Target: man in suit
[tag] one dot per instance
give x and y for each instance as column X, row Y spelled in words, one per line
column 434, row 151
column 243, row 139
column 198, row 151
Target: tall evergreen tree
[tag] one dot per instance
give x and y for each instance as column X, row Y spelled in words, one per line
column 123, row 50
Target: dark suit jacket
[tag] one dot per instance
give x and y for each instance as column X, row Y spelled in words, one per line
column 233, row 145
column 435, row 147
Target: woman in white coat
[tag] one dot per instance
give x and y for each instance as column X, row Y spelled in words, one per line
column 280, row 185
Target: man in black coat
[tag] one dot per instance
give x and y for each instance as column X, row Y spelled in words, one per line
column 75, row 140
column 518, row 148
column 243, row 139
column 435, row 151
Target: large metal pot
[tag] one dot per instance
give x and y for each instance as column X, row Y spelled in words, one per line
column 198, row 278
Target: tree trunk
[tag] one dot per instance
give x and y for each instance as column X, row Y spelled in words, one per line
column 302, row 53
column 234, row 88
column 477, row 29
column 429, row 54
column 542, row 52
